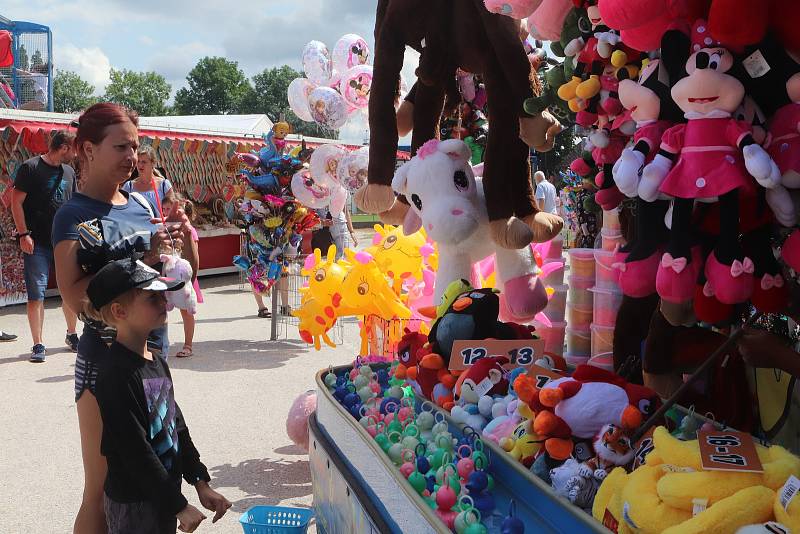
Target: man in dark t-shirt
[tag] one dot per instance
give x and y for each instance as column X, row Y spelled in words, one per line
column 42, row 184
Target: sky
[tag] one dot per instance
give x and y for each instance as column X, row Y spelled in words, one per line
column 170, row 36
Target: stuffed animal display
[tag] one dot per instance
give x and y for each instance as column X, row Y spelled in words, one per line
column 448, row 202
column 452, row 35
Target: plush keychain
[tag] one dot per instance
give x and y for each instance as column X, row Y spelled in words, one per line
column 710, row 158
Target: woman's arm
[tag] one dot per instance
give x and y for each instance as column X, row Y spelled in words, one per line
column 72, row 280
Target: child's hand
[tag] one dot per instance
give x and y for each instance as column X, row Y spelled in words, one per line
column 211, row 500
column 189, row 518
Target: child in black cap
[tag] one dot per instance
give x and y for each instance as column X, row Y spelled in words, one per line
column 145, row 439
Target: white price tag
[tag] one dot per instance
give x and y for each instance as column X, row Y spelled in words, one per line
column 756, row 65
column 483, row 387
column 789, row 490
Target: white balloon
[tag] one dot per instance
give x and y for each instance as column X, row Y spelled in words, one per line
column 349, row 51
column 298, row 93
column 308, row 191
column 352, row 169
column 324, row 163
column 317, row 62
column 356, row 84
column 328, row 108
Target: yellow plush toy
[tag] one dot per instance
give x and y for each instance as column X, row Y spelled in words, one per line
column 669, row 492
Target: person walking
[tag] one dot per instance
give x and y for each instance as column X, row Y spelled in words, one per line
column 42, row 185
column 545, row 193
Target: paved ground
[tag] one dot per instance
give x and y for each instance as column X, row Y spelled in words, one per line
column 235, row 393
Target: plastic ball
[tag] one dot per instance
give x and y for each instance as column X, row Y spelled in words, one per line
column 365, row 393
column 360, row 381
column 418, row 481
column 297, row 419
column 446, row 498
column 365, row 370
column 406, row 469
column 465, row 467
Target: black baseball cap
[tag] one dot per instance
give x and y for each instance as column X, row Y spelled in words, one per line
column 120, row 276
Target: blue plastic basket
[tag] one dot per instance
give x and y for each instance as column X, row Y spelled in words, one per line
column 276, row 520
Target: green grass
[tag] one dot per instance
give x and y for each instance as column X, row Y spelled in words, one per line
column 365, row 218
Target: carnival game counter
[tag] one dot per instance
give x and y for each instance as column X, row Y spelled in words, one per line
column 401, row 508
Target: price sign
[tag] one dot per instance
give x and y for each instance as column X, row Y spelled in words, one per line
column 643, row 447
column 723, row 450
column 542, row 375
column 520, row 352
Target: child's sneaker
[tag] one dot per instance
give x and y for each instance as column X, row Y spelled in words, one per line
column 38, row 353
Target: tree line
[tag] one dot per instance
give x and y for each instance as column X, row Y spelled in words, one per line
column 214, row 86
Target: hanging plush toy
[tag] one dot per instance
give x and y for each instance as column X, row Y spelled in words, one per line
column 711, row 158
column 179, row 269
column 450, row 35
column 654, row 111
column 448, row 202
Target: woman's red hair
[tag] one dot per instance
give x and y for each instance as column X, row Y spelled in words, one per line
column 93, row 122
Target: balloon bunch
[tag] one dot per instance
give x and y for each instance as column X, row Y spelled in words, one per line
column 335, row 86
column 449, row 472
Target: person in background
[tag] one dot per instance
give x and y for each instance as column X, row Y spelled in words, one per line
column 545, row 193
column 150, row 183
column 588, row 214
column 5, row 336
column 41, row 86
column 188, row 318
column 145, row 439
column 42, row 185
column 107, row 141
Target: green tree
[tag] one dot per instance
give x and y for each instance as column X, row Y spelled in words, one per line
column 215, row 86
column 36, row 59
column 22, row 58
column 268, row 96
column 71, row 93
column 145, row 92
column 564, row 151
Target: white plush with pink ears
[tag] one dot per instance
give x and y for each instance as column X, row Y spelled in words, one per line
column 448, row 201
column 179, row 269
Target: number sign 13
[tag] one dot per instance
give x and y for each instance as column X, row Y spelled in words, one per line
column 520, row 352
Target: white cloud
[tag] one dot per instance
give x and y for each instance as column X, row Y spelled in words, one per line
column 90, row 63
column 174, row 62
column 146, row 40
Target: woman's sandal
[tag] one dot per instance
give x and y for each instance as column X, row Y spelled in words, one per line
column 185, row 352
column 264, row 313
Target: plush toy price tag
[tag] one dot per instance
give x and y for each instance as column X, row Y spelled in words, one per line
column 643, row 447
column 520, row 352
column 725, row 450
column 789, row 490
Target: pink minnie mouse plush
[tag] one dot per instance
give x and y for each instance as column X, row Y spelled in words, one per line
column 710, row 158
column 651, row 106
column 772, row 77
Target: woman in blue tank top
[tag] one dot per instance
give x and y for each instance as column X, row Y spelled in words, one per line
column 149, row 183
column 97, row 225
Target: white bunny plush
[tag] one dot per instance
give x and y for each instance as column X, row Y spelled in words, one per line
column 179, row 269
column 448, row 201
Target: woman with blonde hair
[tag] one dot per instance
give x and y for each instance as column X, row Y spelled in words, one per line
column 149, row 182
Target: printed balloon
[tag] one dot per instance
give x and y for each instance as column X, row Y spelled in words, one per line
column 317, row 62
column 310, row 193
column 356, row 84
column 352, row 169
column 324, row 163
column 351, row 50
column 298, row 93
column 328, row 108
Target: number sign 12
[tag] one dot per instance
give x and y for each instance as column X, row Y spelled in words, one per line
column 725, row 450
column 520, row 352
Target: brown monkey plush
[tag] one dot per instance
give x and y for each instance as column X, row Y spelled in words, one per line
column 452, row 34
